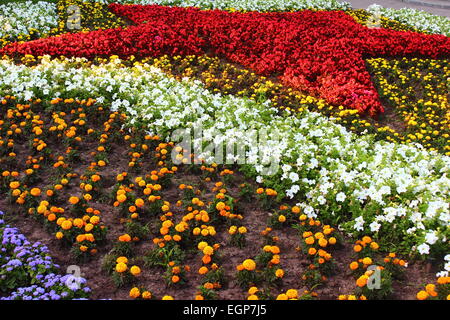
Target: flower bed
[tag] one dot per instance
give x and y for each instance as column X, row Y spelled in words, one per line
column 89, row 149
column 335, row 172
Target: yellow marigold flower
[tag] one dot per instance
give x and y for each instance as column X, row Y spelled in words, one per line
column 121, row 198
column 135, row 270
column 323, row 242
column 139, row 203
column 282, row 297
column 14, row 184
column 374, row 246
column 279, row 273
column 196, row 231
column 79, row 223
column 201, row 245
column 94, row 220
column 89, row 227
column 249, row 264
column 242, row 230
column 220, row 206
column 122, row 260
column 292, row 294
column 66, row 225
column 121, row 267
column 208, row 250
column 252, row 290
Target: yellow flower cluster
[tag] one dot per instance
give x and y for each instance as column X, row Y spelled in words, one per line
column 93, row 16
column 417, row 91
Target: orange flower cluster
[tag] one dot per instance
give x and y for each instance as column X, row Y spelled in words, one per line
column 315, row 239
column 438, row 291
column 74, row 224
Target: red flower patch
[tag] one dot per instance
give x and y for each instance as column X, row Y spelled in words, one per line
column 320, row 52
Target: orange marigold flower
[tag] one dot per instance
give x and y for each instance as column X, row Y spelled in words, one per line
column 295, row 210
column 146, row 295
column 135, row 293
column 74, row 200
column 422, row 295
column 35, row 192
column 354, row 265
column 203, row 270
column 362, row 281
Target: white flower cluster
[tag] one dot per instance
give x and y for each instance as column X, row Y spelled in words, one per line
column 367, row 187
column 421, row 20
column 250, row 5
column 19, row 17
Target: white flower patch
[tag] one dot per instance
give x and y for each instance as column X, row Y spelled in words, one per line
column 250, row 5
column 19, row 17
column 421, row 20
